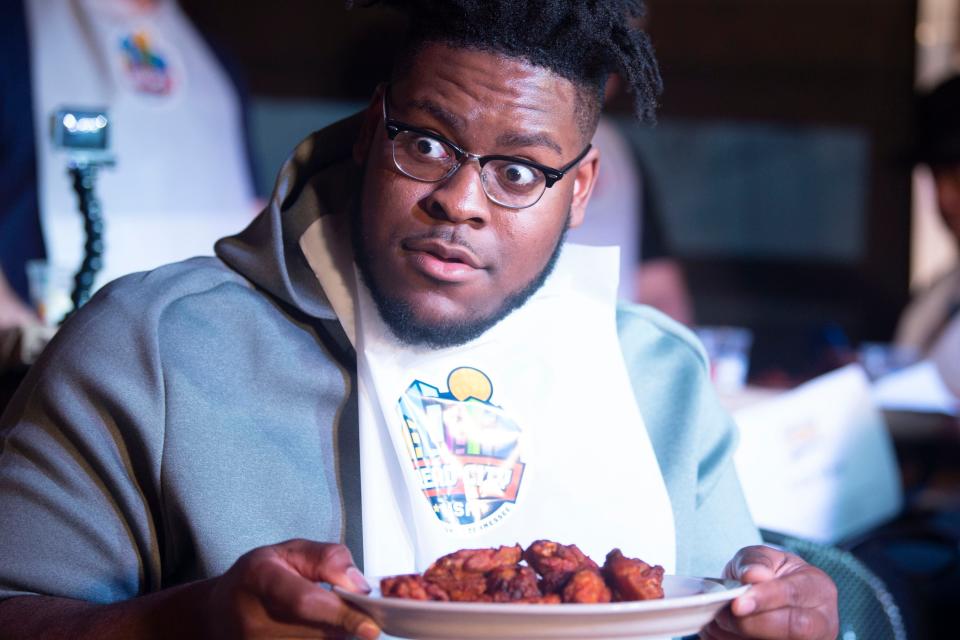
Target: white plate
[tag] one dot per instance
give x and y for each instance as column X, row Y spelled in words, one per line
column 688, row 605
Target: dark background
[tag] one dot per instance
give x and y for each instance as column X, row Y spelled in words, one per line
column 793, row 64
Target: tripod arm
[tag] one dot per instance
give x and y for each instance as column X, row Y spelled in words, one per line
column 84, row 180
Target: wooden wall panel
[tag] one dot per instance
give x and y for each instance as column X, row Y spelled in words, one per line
column 805, row 62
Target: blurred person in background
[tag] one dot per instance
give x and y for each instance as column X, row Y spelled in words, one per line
column 946, row 355
column 623, row 212
column 182, row 176
column 925, row 319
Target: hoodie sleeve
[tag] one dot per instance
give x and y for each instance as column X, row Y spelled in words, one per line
column 693, row 437
column 80, row 459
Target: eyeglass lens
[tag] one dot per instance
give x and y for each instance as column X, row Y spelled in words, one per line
column 506, row 182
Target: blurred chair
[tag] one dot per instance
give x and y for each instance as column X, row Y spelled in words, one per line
column 867, row 610
column 918, row 557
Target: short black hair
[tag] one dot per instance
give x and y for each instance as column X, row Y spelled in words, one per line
column 580, row 40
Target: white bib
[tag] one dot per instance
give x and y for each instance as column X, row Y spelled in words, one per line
column 530, row 431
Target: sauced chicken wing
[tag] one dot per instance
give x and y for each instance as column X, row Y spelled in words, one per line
column 556, row 563
column 586, row 586
column 474, row 561
column 412, row 587
column 466, row 587
column 632, row 579
column 513, row 584
column 550, row 598
column 462, row 574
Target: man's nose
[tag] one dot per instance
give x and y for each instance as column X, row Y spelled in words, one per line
column 461, row 198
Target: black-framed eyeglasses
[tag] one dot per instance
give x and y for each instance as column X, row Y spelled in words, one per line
column 515, row 183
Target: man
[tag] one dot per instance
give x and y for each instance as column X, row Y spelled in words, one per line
column 938, row 146
column 191, row 418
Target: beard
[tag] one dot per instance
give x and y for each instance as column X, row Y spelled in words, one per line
column 402, row 319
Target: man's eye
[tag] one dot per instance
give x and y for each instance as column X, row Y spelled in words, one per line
column 518, row 175
column 429, row 148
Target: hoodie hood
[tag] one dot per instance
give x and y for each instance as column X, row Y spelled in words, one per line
column 319, row 178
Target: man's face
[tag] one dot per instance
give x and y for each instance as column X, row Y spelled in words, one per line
column 443, row 261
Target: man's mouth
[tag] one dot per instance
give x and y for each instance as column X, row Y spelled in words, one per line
column 441, row 260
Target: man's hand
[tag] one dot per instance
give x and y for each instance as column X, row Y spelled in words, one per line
column 789, row 599
column 271, row 592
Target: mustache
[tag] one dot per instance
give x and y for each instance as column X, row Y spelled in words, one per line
column 447, row 234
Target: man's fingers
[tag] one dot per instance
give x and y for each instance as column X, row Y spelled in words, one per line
column 805, row 588
column 744, row 605
column 713, row 632
column 292, row 599
column 754, row 573
column 788, row 598
column 789, row 623
column 758, row 563
column 324, row 562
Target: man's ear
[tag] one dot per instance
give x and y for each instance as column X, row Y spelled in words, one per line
column 584, row 179
column 372, row 118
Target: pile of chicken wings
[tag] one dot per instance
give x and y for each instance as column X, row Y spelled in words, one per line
column 546, row 572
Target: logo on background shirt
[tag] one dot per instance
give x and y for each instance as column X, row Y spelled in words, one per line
column 465, row 450
column 147, row 69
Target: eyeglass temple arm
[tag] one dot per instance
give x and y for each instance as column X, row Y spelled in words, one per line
column 553, row 175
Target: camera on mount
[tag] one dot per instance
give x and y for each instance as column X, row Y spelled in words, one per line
column 84, row 134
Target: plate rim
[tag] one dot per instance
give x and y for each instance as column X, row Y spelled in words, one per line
column 729, row 589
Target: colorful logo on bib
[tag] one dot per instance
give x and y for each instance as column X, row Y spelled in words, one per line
column 466, row 451
column 147, row 69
